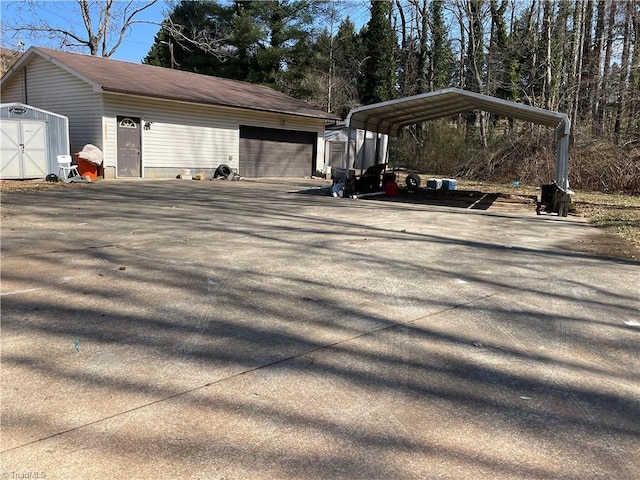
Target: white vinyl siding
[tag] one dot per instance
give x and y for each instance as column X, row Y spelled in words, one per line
column 51, row 88
column 192, row 136
column 181, row 136
column 12, row 89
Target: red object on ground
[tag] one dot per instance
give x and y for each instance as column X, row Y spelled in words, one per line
column 391, row 189
column 86, row 169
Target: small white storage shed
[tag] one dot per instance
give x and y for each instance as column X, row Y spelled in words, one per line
column 30, row 141
column 363, row 152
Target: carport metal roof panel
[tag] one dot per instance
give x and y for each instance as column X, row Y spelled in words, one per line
column 389, row 117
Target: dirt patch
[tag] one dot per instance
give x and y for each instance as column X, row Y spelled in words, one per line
column 468, row 199
column 605, row 244
column 7, row 186
column 26, row 186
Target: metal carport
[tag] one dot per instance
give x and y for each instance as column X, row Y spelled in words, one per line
column 391, row 116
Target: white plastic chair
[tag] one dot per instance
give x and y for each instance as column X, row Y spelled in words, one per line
column 65, row 169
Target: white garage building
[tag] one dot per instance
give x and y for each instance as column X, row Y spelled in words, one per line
column 154, row 122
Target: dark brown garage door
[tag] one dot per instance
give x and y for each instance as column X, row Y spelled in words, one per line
column 269, row 152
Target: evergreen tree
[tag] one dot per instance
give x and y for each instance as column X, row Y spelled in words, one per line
column 260, row 42
column 348, row 58
column 378, row 70
column 504, row 61
column 475, row 61
column 441, row 54
column 197, row 37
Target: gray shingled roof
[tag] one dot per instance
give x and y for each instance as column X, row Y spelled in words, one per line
column 158, row 82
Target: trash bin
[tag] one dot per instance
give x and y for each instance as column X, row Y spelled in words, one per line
column 86, row 169
column 391, row 189
column 546, row 195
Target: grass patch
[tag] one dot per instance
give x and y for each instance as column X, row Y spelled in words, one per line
column 617, row 213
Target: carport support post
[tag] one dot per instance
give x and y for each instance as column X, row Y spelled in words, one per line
column 562, row 154
column 563, row 197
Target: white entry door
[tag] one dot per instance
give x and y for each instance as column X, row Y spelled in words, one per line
column 23, row 151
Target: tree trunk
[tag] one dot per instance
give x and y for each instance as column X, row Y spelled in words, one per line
column 578, row 30
column 546, row 23
column 606, row 67
column 500, row 65
column 596, row 58
column 624, row 71
column 405, row 55
column 533, row 31
column 93, row 39
column 476, row 58
column 585, row 78
column 561, row 51
column 463, row 48
column 423, row 53
column 633, row 124
column 440, row 50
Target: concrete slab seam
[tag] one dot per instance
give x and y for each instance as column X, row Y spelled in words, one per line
column 245, row 372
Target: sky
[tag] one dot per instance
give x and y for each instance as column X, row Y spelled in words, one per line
column 136, row 45
column 65, row 13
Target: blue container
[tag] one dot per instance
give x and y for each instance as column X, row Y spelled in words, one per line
column 449, row 184
column 434, row 184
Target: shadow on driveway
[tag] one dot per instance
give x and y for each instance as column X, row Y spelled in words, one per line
column 239, row 330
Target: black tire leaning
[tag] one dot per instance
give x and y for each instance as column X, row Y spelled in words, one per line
column 222, row 171
column 413, row 182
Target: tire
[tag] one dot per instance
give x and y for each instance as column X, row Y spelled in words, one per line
column 413, row 182
column 222, row 171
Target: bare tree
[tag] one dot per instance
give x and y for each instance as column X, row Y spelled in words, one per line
column 633, row 119
column 606, row 67
column 624, row 70
column 102, row 25
column 547, row 19
column 576, row 73
column 596, row 61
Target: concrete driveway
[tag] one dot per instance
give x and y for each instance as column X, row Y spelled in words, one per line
column 246, row 330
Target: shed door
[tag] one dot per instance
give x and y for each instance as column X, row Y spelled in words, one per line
column 24, row 149
column 10, row 149
column 34, row 154
column 270, row 152
column 129, row 158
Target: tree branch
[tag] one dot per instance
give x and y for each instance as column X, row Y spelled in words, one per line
column 127, row 21
column 215, row 44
